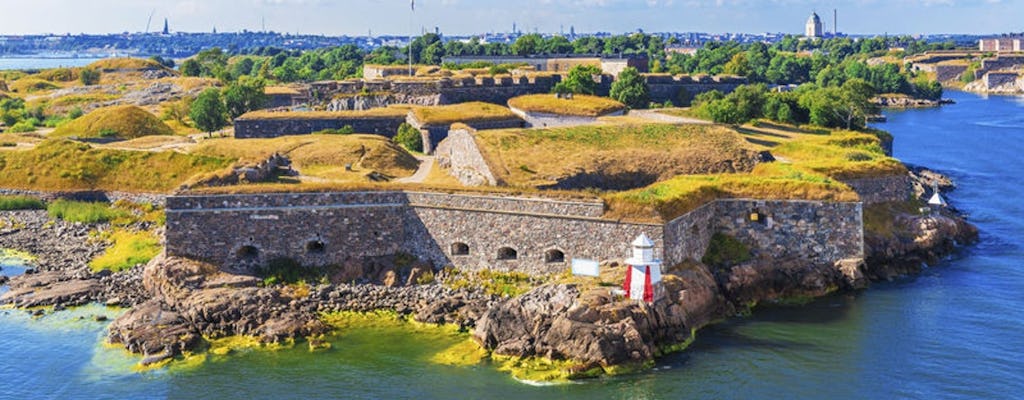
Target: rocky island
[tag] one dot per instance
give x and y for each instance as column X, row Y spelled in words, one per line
column 273, row 232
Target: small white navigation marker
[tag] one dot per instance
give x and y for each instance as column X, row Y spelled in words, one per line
column 936, row 199
column 643, row 275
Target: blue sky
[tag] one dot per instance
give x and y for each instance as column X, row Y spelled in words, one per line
column 357, row 17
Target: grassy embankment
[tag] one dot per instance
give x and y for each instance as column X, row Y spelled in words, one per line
column 809, row 167
column 321, row 156
column 579, row 105
column 463, row 112
column 118, row 122
column 535, row 157
column 56, row 165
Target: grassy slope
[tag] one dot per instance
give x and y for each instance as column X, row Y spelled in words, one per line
column 322, row 156
column 126, row 122
column 66, row 165
column 533, row 157
column 464, row 112
column 579, row 105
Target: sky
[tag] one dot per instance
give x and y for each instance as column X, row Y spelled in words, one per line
column 360, row 17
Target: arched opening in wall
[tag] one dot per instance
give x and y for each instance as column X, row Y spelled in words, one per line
column 316, row 247
column 554, row 256
column 507, row 253
column 460, row 249
column 247, row 253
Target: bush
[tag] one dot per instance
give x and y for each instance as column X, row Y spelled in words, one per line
column 9, row 203
column 77, row 211
column 345, row 130
column 409, row 137
column 23, row 126
column 630, row 89
column 89, row 76
column 725, row 251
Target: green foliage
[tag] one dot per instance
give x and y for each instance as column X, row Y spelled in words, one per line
column 191, row 67
column 244, row 95
column 409, row 137
column 89, row 76
column 580, row 80
column 208, row 111
column 927, row 89
column 77, row 211
column 128, row 249
column 631, row 89
column 9, row 203
column 28, row 125
column 725, row 251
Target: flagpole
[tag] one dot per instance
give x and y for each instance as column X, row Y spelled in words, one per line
column 412, row 30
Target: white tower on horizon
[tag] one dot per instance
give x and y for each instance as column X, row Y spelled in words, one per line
column 813, row 29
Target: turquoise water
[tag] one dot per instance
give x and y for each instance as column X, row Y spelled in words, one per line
column 955, row 331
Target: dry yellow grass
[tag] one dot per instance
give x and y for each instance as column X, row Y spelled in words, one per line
column 112, row 64
column 540, row 157
column 149, row 142
column 579, row 105
column 32, row 85
column 56, row 165
column 120, row 122
column 323, row 156
column 463, row 112
column 388, row 112
column 279, row 90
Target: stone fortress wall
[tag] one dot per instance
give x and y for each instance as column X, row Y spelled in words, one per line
column 536, row 236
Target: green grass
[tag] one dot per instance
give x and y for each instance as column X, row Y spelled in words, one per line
column 725, row 251
column 77, row 211
column 128, row 249
column 9, row 203
column 57, row 165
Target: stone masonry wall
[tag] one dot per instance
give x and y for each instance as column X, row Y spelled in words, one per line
column 687, row 237
column 461, row 155
column 271, row 128
column 473, row 231
column 882, row 189
column 817, row 232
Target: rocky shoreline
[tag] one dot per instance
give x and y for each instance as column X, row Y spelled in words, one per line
column 176, row 303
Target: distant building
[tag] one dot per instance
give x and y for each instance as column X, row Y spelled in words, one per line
column 813, row 28
column 167, row 29
column 609, row 65
column 1001, row 44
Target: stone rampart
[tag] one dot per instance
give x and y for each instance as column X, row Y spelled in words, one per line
column 89, row 195
column 951, row 72
column 461, row 155
column 275, row 127
column 882, row 189
column 536, row 236
column 681, row 89
column 819, row 232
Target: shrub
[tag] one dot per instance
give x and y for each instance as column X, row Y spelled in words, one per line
column 77, row 211
column 8, row 203
column 23, row 126
column 89, row 76
column 725, row 251
column 345, row 130
column 128, row 249
column 630, row 89
column 409, row 137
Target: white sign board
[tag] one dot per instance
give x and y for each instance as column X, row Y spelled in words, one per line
column 585, row 267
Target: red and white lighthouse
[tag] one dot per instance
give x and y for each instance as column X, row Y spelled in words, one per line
column 643, row 272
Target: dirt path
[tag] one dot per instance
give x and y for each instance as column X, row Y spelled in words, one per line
column 426, row 164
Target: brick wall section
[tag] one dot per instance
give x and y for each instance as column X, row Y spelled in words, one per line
column 882, row 189
column 220, row 229
column 271, row 128
column 821, row 233
column 461, row 155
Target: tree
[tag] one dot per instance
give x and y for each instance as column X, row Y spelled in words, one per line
column 244, row 96
column 89, row 76
column 580, row 79
column 191, row 67
column 409, row 137
column 208, row 111
column 527, row 45
column 630, row 89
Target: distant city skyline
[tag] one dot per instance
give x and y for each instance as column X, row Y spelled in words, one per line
column 460, row 17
